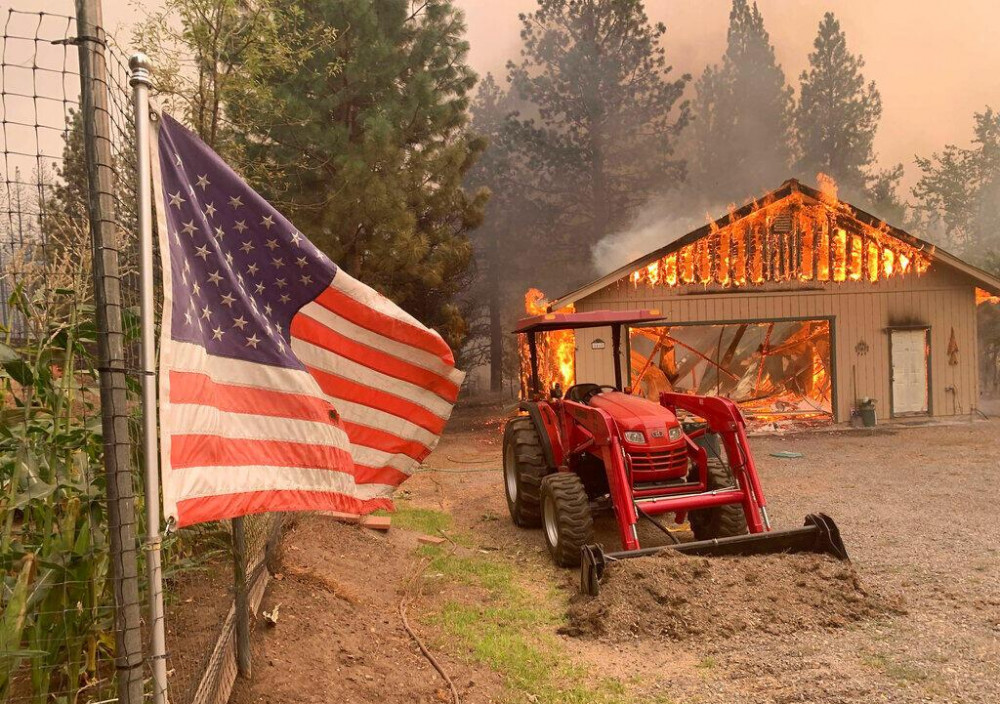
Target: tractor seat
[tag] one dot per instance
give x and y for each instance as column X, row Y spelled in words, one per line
column 580, row 392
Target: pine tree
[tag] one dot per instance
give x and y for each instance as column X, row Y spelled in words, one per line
column 959, row 192
column 368, row 135
column 608, row 114
column 838, row 114
column 742, row 115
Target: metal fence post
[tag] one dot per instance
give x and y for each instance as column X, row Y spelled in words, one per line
column 107, row 293
column 242, row 597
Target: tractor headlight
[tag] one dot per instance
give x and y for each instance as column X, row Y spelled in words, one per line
column 674, row 434
column 635, row 437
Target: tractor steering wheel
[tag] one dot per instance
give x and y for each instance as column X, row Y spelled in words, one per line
column 590, row 393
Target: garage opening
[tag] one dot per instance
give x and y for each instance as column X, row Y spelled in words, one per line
column 779, row 372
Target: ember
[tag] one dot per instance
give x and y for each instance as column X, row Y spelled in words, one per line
column 794, row 238
column 556, row 350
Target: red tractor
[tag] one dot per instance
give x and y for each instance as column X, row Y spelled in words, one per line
column 590, row 448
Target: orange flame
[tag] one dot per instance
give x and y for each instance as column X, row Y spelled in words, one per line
column 986, row 297
column 556, row 349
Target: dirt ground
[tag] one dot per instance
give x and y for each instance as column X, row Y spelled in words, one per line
column 914, row 506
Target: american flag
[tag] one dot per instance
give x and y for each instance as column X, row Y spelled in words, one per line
column 285, row 384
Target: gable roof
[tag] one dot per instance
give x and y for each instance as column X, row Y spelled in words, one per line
column 983, row 279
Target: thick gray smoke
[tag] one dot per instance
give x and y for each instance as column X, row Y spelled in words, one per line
column 658, row 223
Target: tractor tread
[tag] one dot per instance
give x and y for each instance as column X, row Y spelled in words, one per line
column 573, row 517
column 522, row 439
column 719, row 521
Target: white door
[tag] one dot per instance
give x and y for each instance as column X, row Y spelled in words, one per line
column 909, row 371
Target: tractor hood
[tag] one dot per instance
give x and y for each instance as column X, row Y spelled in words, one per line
column 633, row 413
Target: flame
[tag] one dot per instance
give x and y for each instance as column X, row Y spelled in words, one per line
column 556, row 349
column 794, row 238
column 985, row 297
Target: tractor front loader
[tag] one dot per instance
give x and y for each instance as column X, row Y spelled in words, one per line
column 592, row 448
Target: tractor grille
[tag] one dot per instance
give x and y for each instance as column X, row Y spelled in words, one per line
column 674, row 462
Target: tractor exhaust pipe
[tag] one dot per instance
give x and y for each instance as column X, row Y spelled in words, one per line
column 819, row 535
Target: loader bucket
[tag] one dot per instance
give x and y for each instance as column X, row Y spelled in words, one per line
column 819, row 535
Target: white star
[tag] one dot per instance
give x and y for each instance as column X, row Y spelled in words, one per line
column 210, row 210
column 229, row 258
column 189, row 228
column 202, row 252
column 187, row 266
column 252, row 341
column 259, row 288
column 214, row 277
column 278, row 326
column 280, row 283
column 240, row 322
column 187, row 317
column 285, row 298
column 177, row 237
column 228, row 300
column 196, row 288
column 241, row 226
column 239, row 277
column 206, row 313
column 281, row 345
column 306, row 280
column 278, row 262
column 267, row 222
column 184, row 277
column 217, row 333
column 247, row 247
column 253, row 269
column 178, row 161
column 267, row 307
column 301, row 262
column 236, row 201
column 219, row 233
column 176, row 199
column 272, row 244
column 203, row 182
column 296, row 236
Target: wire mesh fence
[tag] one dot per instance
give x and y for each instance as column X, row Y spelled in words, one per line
column 70, row 545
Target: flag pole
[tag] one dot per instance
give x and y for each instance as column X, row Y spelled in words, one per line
column 140, row 82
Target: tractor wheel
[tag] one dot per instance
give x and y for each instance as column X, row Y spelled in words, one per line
column 523, row 469
column 718, row 521
column 566, row 517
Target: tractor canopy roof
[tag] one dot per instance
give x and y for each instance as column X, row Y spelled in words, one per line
column 590, row 319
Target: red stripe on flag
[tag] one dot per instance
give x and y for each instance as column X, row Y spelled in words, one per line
column 379, row 475
column 385, row 441
column 222, row 506
column 339, row 387
column 214, row 451
column 195, row 388
column 382, row 324
column 314, row 332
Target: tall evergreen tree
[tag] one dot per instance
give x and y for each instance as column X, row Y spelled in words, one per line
column 607, row 115
column 369, row 136
column 838, row 114
column 959, row 192
column 742, row 115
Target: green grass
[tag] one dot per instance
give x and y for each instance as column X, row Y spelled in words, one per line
column 512, row 632
column 899, row 671
column 421, row 520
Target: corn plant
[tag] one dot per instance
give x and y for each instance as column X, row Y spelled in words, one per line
column 53, row 555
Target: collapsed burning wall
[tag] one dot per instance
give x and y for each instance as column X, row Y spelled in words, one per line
column 775, row 371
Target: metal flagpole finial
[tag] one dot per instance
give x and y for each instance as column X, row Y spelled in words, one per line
column 141, row 68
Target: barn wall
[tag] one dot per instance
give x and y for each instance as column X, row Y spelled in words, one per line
column 861, row 312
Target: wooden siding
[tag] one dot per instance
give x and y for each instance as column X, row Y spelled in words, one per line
column 860, row 311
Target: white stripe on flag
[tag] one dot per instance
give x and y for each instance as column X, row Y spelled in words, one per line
column 203, row 482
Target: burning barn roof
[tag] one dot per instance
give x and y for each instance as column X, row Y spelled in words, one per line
column 793, row 234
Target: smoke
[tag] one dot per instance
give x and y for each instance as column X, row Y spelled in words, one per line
column 658, row 223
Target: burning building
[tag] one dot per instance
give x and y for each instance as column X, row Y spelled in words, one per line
column 796, row 305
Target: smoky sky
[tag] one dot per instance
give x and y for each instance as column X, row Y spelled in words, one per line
column 934, row 62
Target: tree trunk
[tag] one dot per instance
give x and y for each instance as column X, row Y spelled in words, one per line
column 496, row 331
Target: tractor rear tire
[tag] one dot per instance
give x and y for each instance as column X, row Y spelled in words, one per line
column 566, row 519
column 523, row 468
column 718, row 521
